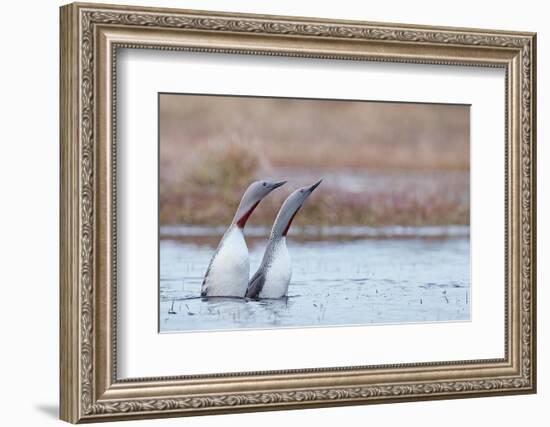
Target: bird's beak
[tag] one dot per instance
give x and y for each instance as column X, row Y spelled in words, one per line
column 314, row 186
column 277, row 184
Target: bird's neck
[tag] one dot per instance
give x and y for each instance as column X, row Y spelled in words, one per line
column 282, row 224
column 242, row 215
column 285, row 231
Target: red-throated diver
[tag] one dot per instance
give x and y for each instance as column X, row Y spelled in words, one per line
column 273, row 277
column 228, row 272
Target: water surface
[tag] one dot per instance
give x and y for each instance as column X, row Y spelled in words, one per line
column 340, row 277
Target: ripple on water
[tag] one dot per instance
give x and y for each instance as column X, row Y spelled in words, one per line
column 356, row 282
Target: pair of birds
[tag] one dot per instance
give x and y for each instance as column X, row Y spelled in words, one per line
column 229, row 269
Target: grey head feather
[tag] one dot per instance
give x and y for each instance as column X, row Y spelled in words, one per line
column 252, row 197
column 289, row 209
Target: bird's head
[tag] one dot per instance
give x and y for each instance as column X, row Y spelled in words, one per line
column 252, row 197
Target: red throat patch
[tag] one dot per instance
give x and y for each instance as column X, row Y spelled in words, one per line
column 289, row 222
column 242, row 220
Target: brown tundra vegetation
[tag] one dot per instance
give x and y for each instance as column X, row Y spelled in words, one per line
column 381, row 163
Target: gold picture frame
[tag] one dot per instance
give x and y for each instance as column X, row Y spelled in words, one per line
column 90, row 37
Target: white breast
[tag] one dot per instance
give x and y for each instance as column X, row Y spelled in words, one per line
column 278, row 273
column 230, row 268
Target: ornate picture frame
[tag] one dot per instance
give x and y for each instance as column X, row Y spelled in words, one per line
column 91, row 34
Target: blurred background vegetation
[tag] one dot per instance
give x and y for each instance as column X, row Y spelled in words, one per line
column 382, row 163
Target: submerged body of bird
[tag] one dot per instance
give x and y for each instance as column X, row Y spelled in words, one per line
column 277, row 271
column 229, row 269
column 273, row 276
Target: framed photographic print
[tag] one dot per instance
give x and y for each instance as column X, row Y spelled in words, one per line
column 265, row 212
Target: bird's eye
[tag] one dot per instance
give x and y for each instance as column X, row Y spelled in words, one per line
column 265, row 184
column 301, row 191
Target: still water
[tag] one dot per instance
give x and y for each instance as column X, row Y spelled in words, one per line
column 345, row 277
